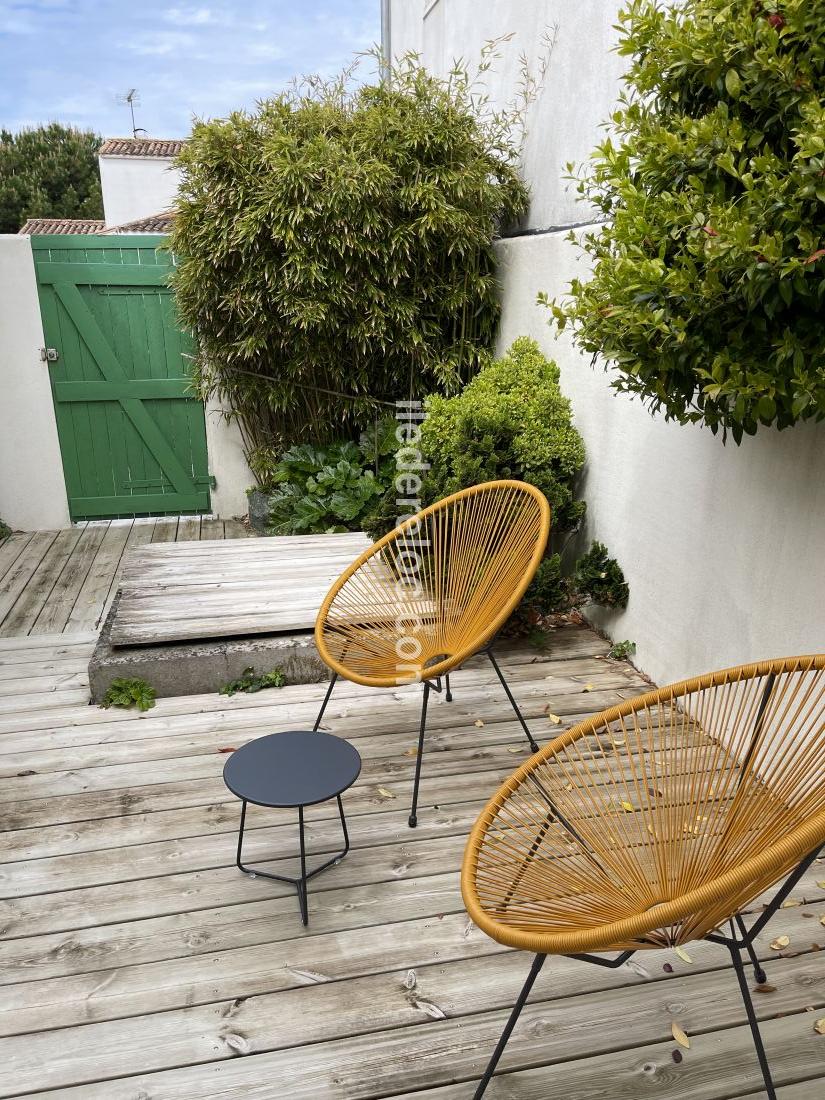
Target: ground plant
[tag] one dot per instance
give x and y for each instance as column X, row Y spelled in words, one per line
column 129, row 692
column 329, row 488
column 708, row 277
column 334, row 248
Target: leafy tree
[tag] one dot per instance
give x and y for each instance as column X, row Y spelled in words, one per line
column 48, row 172
column 708, row 278
column 335, row 249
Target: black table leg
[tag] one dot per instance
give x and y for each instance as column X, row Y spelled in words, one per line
column 300, row 883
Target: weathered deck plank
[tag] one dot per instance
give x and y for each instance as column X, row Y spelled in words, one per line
column 135, row 961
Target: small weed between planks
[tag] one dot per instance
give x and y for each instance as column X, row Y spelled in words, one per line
column 250, row 681
column 124, row 692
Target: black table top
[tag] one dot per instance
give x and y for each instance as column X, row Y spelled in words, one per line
column 295, row 768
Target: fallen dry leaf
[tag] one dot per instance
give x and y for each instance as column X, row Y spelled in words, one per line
column 790, row 903
column 587, row 687
column 227, row 750
column 411, row 752
column 821, row 884
column 627, row 807
column 780, row 942
column 385, row 793
column 819, row 1026
column 764, row 987
column 514, row 751
column 683, row 955
column 822, row 921
column 554, row 718
column 478, row 722
column 679, row 1036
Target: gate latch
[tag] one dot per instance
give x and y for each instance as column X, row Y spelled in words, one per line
column 49, row 355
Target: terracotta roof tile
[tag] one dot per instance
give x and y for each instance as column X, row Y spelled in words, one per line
column 156, row 223
column 141, row 147
column 62, row 225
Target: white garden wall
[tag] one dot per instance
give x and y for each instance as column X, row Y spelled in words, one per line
column 723, row 547
column 32, row 490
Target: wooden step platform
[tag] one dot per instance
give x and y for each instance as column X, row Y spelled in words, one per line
column 217, row 589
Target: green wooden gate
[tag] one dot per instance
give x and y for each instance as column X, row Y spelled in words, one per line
column 132, row 434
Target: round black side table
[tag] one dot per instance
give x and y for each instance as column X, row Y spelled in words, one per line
column 297, row 768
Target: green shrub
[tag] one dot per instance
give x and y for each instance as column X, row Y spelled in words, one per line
column 335, row 248
column 332, row 488
column 708, row 284
column 510, row 421
column 5, row 530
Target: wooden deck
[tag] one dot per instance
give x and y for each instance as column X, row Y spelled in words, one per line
column 137, row 962
column 56, row 581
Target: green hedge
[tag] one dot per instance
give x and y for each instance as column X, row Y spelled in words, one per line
column 335, row 249
column 708, row 285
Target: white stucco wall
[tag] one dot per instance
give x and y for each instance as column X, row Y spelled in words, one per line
column 582, row 78
column 136, row 187
column 723, row 547
column 32, row 489
column 227, row 462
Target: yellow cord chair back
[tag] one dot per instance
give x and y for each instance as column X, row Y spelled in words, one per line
column 653, row 822
column 437, row 588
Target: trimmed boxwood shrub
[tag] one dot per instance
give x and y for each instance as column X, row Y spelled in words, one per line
column 335, row 249
column 513, row 421
column 708, row 285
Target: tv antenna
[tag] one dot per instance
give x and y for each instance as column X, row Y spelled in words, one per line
column 132, row 97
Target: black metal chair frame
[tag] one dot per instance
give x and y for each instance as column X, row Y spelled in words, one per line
column 735, row 943
column 430, row 685
column 300, row 883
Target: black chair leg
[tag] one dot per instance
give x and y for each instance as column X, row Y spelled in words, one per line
column 413, row 819
column 738, row 966
column 332, row 680
column 448, row 695
column 538, row 963
column 513, row 703
column 758, row 970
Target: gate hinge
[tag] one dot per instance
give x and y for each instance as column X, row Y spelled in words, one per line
column 49, row 355
column 207, row 479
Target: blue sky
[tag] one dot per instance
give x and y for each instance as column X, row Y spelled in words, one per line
column 67, row 60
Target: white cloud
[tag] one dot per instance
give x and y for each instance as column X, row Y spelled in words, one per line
column 191, row 17
column 158, row 44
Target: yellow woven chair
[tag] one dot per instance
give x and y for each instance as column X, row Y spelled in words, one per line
column 433, row 592
column 655, row 823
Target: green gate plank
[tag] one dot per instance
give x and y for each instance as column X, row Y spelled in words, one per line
column 127, row 274
column 140, row 389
